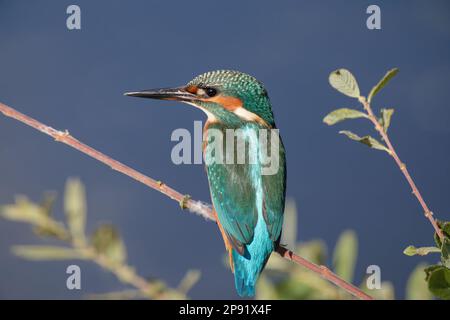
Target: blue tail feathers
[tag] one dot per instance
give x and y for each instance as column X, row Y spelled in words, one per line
column 244, row 289
column 247, row 268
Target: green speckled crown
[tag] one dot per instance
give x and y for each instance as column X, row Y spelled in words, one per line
column 240, row 85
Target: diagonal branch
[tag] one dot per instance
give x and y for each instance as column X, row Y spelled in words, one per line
column 184, row 200
column 427, row 212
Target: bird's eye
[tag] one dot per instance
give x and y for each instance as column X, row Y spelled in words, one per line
column 211, row 92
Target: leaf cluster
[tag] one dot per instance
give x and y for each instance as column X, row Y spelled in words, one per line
column 436, row 276
column 104, row 246
column 344, row 81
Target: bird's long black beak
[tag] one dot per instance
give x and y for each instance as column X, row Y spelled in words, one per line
column 178, row 94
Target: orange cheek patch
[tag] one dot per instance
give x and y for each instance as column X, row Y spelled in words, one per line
column 192, row 89
column 228, row 103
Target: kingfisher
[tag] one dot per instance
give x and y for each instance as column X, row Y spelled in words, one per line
column 248, row 202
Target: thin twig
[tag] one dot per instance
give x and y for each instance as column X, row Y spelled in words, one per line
column 427, row 212
column 184, row 200
column 121, row 270
column 124, row 273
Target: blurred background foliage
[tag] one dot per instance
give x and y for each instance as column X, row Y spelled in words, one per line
column 284, row 280
column 105, row 247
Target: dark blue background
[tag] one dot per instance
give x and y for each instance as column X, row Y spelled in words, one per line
column 75, row 79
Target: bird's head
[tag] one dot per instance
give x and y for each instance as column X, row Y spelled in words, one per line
column 224, row 95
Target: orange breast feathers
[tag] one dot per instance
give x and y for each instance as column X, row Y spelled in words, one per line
column 228, row 245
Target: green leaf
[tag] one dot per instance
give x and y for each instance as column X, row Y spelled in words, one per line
column 48, row 202
column 423, row 251
column 344, row 256
column 416, row 286
column 438, row 278
column 46, row 205
column 189, row 280
column 75, row 209
column 445, row 253
column 386, row 115
column 289, row 235
column 45, row 253
column 26, row 211
column 445, row 227
column 388, row 76
column 343, row 114
column 430, row 269
column 367, row 140
column 107, row 241
column 444, row 247
column 314, row 250
column 343, row 81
